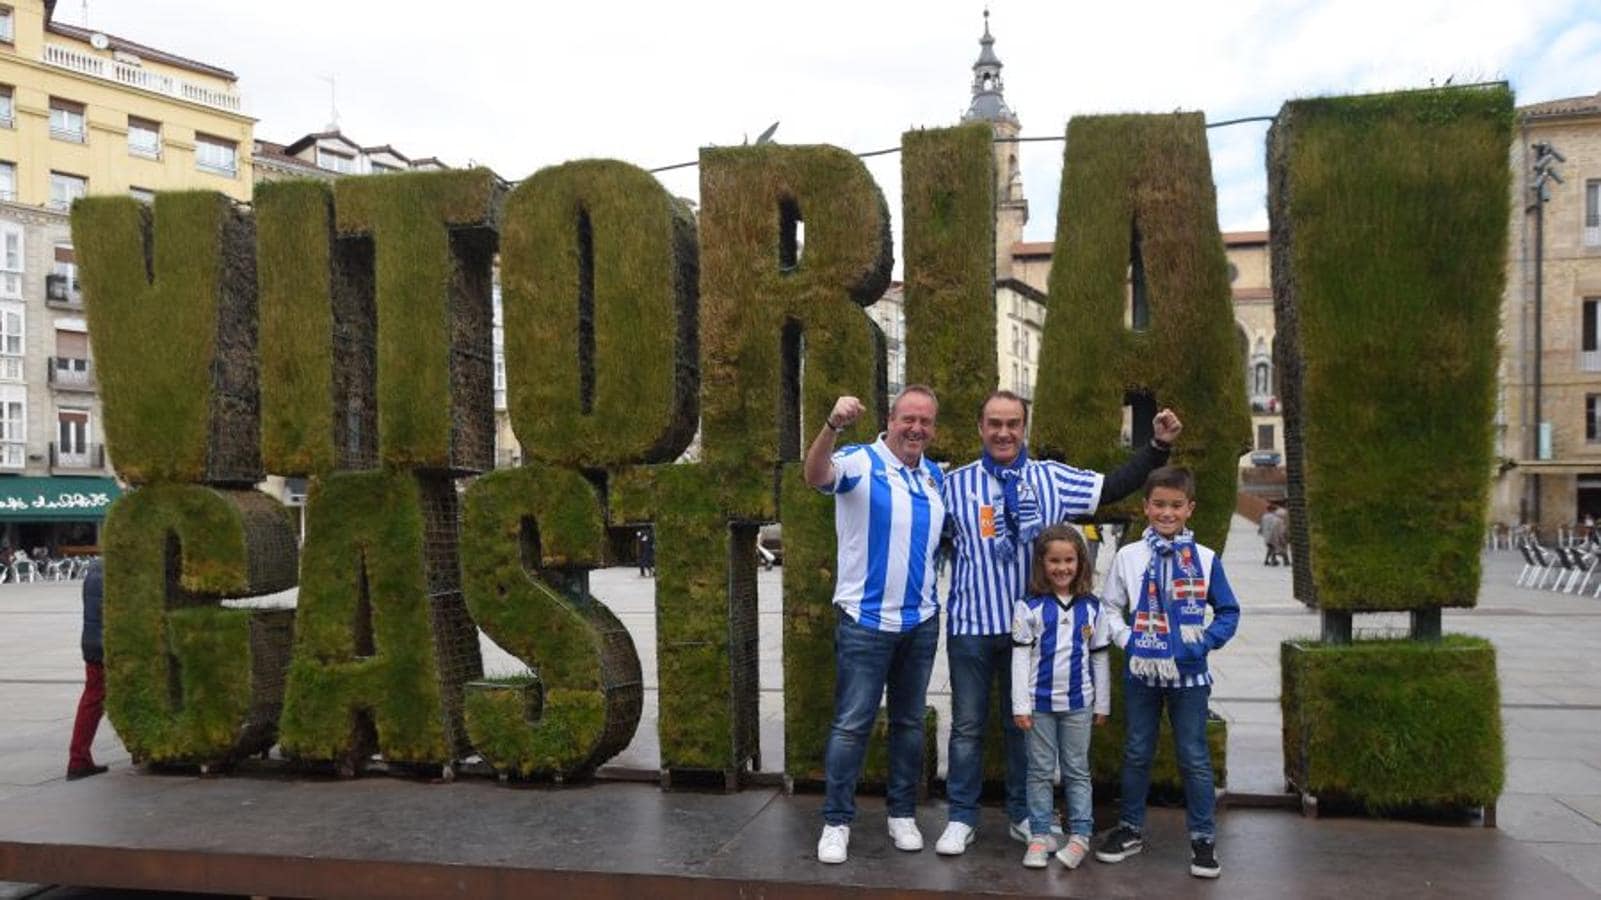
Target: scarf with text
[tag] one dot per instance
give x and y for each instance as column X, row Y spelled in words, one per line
column 1172, row 580
column 1019, row 521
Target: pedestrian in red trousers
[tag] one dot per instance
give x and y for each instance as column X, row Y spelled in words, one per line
column 80, row 761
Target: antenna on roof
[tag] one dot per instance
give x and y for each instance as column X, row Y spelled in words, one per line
column 333, row 103
column 86, row 13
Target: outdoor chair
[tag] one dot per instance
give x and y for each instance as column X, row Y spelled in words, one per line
column 24, row 570
column 1572, row 568
column 1587, row 563
column 1531, row 567
column 1552, row 566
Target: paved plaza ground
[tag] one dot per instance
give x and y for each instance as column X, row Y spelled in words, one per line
column 1549, row 659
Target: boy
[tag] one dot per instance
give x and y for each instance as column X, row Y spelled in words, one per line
column 1164, row 582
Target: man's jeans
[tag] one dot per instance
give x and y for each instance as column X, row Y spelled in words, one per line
column 865, row 663
column 1060, row 738
column 976, row 661
column 1186, row 709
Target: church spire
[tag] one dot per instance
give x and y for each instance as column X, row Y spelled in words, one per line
column 988, row 103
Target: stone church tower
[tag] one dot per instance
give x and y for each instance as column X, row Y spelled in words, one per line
column 989, row 105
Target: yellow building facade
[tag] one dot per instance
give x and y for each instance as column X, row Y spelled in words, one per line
column 119, row 115
column 82, row 112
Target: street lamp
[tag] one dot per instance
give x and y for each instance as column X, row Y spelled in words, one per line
column 1545, row 159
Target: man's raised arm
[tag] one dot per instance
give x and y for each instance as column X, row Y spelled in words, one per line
column 819, row 464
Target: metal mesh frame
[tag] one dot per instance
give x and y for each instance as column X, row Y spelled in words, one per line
column 472, row 359
column 455, row 634
column 233, row 450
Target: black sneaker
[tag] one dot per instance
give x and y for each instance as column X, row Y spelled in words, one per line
column 1119, row 845
column 1203, row 859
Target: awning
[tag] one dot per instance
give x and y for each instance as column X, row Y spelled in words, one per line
column 58, row 498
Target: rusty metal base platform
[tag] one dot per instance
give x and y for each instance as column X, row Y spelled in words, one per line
column 387, row 837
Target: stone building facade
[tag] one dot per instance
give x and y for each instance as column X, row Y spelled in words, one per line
column 1551, row 375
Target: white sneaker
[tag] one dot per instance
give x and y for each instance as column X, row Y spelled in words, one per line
column 955, row 839
column 1078, row 847
column 1039, row 852
column 831, row 847
column 1021, row 832
column 905, row 834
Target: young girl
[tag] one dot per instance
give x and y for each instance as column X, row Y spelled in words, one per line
column 1059, row 680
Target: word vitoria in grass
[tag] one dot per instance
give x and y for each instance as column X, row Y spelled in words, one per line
column 342, row 333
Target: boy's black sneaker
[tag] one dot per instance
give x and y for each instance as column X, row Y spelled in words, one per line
column 1119, row 845
column 1203, row 859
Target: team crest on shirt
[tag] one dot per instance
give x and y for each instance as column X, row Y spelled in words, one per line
column 1087, row 631
column 930, row 480
column 1148, row 622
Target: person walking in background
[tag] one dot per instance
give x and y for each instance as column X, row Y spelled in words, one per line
column 1281, row 534
column 92, row 704
column 646, row 551
column 1271, row 528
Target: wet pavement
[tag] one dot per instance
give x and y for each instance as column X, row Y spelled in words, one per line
column 1549, row 816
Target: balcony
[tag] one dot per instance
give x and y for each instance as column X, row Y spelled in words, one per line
column 71, row 373
column 83, row 456
column 74, row 60
column 59, row 290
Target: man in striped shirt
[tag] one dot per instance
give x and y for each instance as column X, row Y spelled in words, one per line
column 995, row 506
column 888, row 516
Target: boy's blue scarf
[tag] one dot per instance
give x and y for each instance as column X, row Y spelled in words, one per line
column 1020, row 518
column 1172, row 579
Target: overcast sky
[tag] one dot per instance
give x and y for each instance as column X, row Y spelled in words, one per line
column 519, row 86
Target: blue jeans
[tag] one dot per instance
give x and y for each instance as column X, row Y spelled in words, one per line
column 1186, row 709
column 976, row 662
column 1060, row 738
column 866, row 662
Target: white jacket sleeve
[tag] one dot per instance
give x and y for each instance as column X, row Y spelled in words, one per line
column 1101, row 673
column 1115, row 603
column 1025, row 657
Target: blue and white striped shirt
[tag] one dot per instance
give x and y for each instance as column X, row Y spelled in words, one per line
column 1053, row 643
column 887, row 518
column 984, row 583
